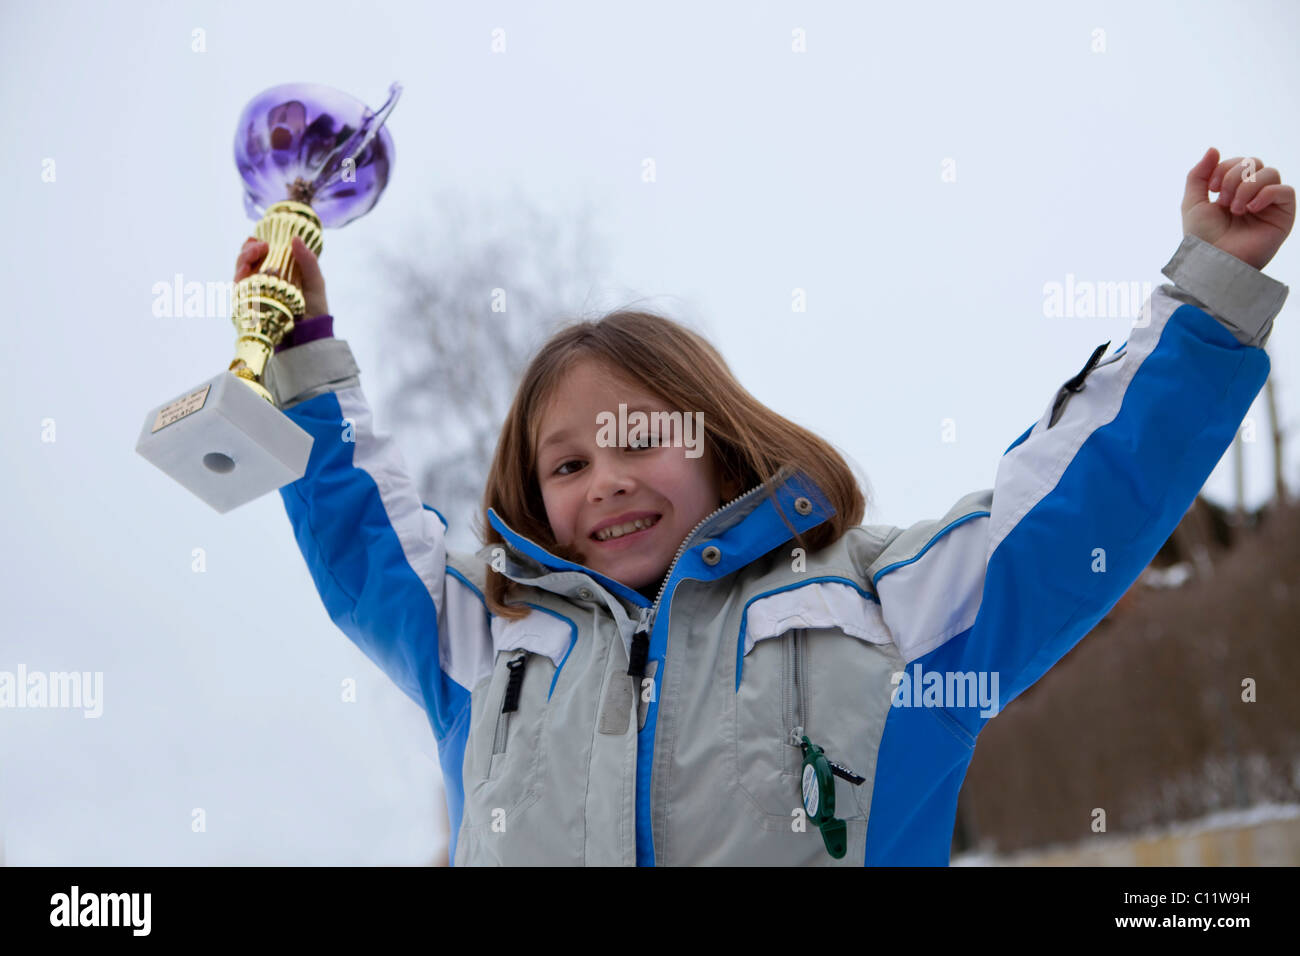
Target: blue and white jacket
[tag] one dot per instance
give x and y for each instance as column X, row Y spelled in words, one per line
column 889, row 649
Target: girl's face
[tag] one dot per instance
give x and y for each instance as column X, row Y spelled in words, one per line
column 588, row 485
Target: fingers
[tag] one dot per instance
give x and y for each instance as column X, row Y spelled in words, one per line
column 1197, row 189
column 308, row 265
column 250, row 255
column 254, row 251
column 1220, row 170
column 1283, row 197
column 1246, row 192
column 1228, row 175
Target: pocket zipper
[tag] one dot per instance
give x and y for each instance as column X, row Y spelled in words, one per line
column 510, row 701
column 796, row 710
column 795, row 707
column 1076, row 383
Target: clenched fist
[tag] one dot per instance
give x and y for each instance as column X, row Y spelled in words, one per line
column 313, row 283
column 1254, row 212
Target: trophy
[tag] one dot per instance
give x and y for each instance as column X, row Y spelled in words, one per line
column 311, row 157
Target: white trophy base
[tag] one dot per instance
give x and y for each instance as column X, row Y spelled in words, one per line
column 225, row 443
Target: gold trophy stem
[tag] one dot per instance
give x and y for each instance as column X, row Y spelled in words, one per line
column 269, row 302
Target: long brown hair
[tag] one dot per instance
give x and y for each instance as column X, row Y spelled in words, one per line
column 750, row 442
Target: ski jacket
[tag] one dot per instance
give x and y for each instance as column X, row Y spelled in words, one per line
column 889, row 649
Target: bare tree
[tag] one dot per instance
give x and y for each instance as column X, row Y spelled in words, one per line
column 1281, row 494
column 471, row 307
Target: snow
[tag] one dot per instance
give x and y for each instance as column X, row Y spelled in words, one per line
column 1239, row 819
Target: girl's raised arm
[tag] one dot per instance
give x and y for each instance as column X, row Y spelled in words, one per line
column 376, row 553
column 1009, row 580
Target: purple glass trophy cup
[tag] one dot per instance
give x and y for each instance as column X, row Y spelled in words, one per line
column 311, row 157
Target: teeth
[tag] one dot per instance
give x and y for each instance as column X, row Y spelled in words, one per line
column 618, row 530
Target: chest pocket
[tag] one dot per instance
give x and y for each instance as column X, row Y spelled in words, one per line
column 815, row 660
column 507, row 740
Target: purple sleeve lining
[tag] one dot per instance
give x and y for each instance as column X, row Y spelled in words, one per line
column 308, row 330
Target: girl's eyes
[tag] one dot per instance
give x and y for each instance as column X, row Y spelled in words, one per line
column 644, row 445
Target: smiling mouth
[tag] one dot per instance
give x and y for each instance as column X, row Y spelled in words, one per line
column 625, row 530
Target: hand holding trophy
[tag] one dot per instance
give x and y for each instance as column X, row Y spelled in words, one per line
column 311, row 157
column 254, row 251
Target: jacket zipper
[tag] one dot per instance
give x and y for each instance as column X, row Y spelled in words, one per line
column 796, row 706
column 509, row 702
column 1076, row 384
column 641, row 636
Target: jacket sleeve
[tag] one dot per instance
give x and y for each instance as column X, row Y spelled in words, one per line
column 376, row 554
column 1012, row 578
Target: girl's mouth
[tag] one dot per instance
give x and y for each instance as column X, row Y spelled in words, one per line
column 629, row 534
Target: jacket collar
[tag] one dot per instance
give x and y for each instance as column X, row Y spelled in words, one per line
column 742, row 530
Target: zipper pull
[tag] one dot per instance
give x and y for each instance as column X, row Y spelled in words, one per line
column 513, row 683
column 641, row 644
column 844, row 773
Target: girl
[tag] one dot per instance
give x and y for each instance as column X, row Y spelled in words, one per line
column 669, row 653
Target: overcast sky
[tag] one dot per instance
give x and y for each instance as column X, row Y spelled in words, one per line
column 775, row 171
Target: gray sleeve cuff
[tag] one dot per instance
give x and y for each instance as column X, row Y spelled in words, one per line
column 307, row 370
column 1239, row 296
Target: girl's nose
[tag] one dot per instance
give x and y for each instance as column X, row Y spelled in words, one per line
column 609, row 478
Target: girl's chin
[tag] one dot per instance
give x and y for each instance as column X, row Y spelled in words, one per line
column 630, row 570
